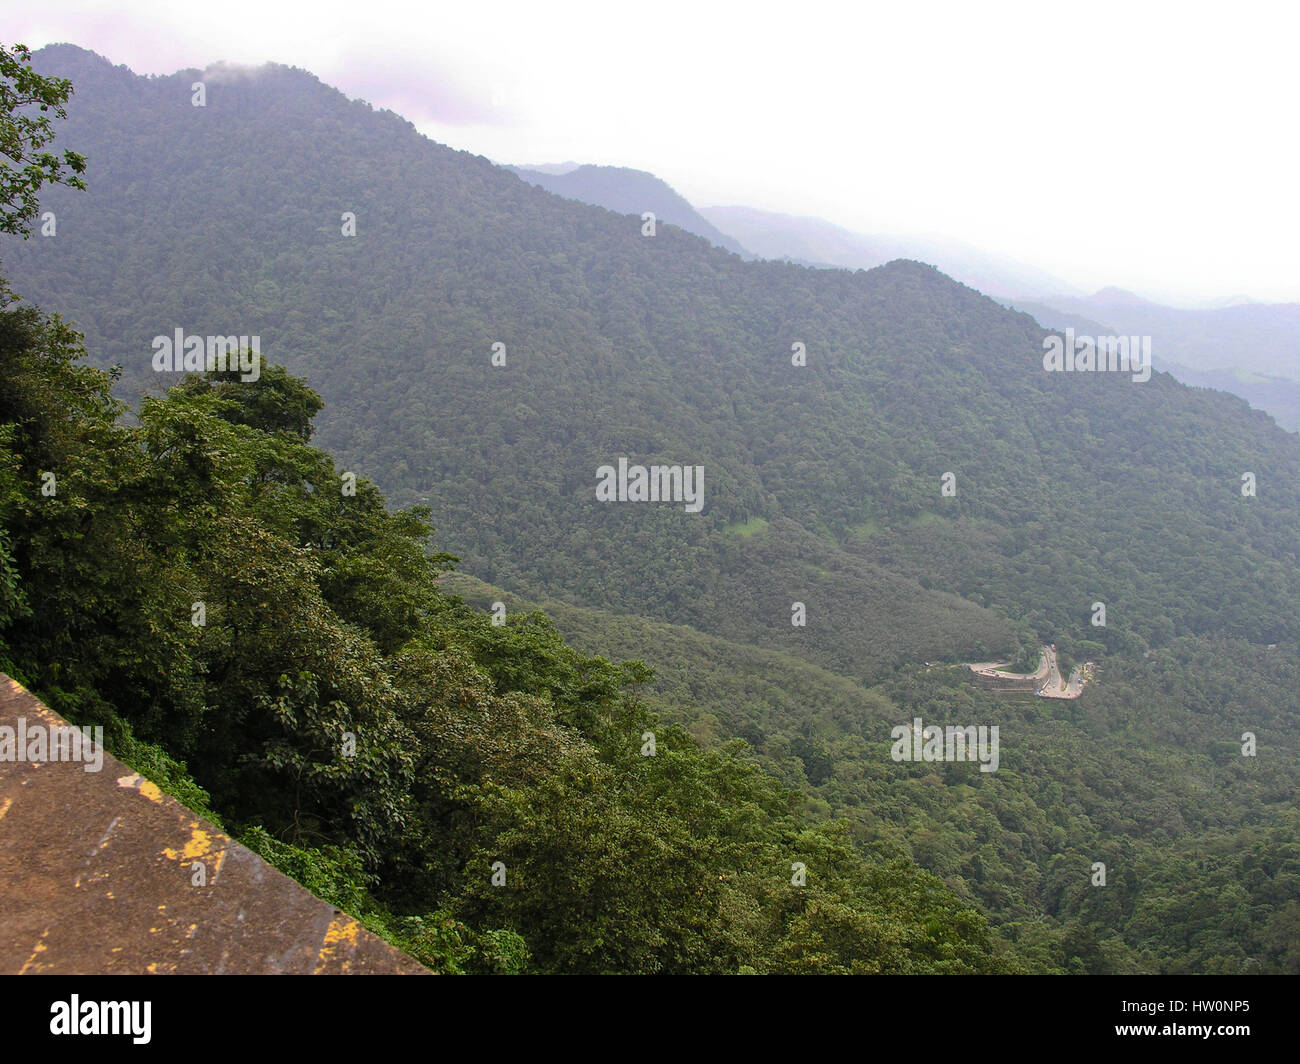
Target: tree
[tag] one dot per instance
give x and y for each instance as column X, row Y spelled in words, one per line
column 24, row 166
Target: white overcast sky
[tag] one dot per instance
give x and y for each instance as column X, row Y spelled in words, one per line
column 1150, row 146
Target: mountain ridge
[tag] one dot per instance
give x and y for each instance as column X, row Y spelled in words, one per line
column 598, row 341
column 829, row 410
column 628, row 191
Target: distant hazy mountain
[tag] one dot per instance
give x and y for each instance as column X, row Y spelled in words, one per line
column 617, row 188
column 1249, row 349
column 1229, row 301
column 824, row 487
column 553, row 169
column 668, row 348
column 1235, row 344
column 1260, row 338
column 1278, row 396
column 815, row 242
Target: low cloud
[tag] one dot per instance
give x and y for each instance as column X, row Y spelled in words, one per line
column 416, row 87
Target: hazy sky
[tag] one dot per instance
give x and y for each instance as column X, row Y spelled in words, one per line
column 1151, row 146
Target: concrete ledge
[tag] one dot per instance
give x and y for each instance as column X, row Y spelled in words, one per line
column 98, row 872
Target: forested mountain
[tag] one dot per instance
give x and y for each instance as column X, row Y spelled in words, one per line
column 1249, row 349
column 479, row 794
column 627, row 191
column 1228, row 339
column 1257, row 337
column 1279, row 397
column 823, row 485
column 823, row 481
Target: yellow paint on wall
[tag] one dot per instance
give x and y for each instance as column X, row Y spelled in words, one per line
column 40, row 948
column 139, row 783
column 342, row 930
column 200, row 844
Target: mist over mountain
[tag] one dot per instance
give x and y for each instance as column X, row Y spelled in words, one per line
column 1231, row 353
column 1259, row 338
column 550, row 169
column 819, row 243
column 1249, row 349
column 659, row 349
column 1244, row 347
column 884, row 449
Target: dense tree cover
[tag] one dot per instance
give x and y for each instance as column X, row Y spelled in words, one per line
column 822, row 486
column 1071, row 488
column 381, row 740
column 1145, row 773
column 1279, row 396
column 624, row 191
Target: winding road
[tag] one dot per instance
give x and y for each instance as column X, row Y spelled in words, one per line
column 1047, row 677
column 1055, row 688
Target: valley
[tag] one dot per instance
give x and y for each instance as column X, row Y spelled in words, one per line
column 412, row 531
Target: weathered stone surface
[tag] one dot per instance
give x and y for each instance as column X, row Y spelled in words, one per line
column 97, row 872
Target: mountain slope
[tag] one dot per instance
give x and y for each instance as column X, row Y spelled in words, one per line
column 1279, row 397
column 1249, row 335
column 625, row 191
column 1254, row 337
column 664, row 349
column 823, row 483
column 1096, row 779
column 392, row 749
column 1248, row 349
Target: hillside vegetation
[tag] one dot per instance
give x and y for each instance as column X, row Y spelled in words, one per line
column 823, row 487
